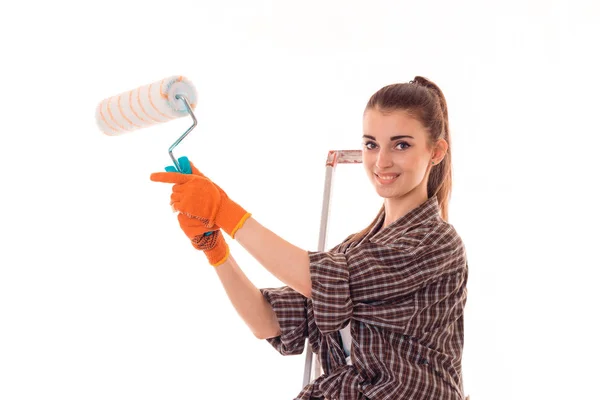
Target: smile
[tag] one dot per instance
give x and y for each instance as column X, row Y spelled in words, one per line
column 386, row 179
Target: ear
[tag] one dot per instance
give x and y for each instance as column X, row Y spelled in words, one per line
column 439, row 150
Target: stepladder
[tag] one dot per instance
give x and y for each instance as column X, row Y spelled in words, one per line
column 312, row 366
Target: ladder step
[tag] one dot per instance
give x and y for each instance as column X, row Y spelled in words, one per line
column 335, row 157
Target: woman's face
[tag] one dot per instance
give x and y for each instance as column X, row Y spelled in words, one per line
column 396, row 155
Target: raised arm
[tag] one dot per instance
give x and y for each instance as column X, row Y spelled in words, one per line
column 248, row 301
column 197, row 197
column 288, row 263
column 205, row 211
column 276, row 314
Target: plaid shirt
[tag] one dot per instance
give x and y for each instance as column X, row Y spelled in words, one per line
column 403, row 290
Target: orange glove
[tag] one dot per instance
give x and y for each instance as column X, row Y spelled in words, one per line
column 209, row 240
column 196, row 196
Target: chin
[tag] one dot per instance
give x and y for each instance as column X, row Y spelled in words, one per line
column 388, row 193
column 392, row 192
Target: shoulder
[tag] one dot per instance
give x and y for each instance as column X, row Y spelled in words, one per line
column 433, row 239
column 444, row 233
column 433, row 232
column 445, row 244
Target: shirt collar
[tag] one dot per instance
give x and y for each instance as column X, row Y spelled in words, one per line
column 426, row 211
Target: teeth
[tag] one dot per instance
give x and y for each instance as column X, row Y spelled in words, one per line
column 387, row 178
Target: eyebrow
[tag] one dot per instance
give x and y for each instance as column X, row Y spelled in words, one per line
column 391, row 139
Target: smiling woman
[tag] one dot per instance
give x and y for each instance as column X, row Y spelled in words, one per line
column 383, row 309
column 406, row 147
column 398, row 165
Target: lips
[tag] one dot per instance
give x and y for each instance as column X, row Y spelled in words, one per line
column 386, row 179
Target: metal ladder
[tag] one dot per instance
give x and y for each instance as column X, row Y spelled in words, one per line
column 312, row 366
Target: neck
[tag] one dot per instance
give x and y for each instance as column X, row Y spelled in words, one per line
column 398, row 207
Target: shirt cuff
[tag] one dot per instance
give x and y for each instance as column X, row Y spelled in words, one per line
column 290, row 308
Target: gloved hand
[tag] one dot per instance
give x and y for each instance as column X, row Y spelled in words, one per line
column 197, row 197
column 206, row 239
column 210, row 240
column 187, row 167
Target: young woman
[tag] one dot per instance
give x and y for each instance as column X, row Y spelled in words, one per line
column 383, row 309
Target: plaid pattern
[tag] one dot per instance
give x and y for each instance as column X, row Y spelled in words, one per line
column 403, row 290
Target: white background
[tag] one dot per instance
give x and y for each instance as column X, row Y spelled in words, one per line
column 101, row 295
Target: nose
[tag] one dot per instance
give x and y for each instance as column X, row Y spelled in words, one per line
column 384, row 159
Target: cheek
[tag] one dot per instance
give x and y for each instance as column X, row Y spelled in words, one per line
column 405, row 163
column 410, row 163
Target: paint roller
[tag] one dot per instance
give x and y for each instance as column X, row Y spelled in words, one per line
column 148, row 105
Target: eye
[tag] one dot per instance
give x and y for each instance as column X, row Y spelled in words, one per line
column 370, row 145
column 403, row 144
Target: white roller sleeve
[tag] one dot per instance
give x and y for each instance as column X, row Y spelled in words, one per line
column 145, row 106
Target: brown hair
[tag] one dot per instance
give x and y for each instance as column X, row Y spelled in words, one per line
column 423, row 100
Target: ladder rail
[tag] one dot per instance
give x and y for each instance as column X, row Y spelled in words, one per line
column 312, row 367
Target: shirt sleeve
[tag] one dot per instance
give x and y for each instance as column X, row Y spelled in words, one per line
column 290, row 308
column 330, row 291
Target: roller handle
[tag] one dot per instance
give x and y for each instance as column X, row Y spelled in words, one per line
column 189, row 109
